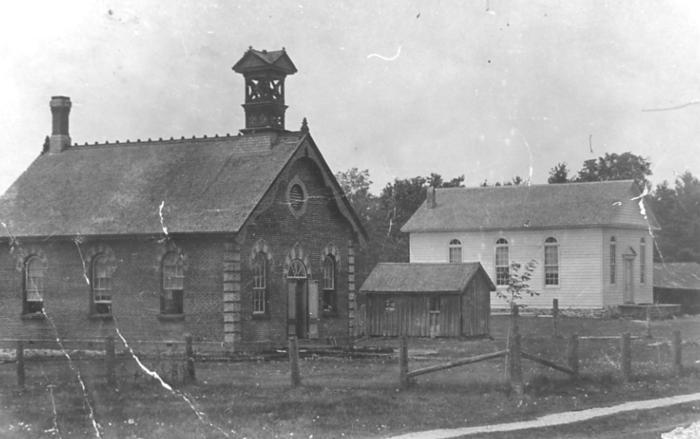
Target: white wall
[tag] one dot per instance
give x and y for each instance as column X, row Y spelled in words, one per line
column 626, row 238
column 580, row 261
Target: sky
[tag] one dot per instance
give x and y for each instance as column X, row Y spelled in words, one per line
column 487, row 88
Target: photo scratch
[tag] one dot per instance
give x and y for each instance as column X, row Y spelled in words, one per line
column 385, row 58
column 54, row 428
column 153, row 374
column 86, row 401
column 77, row 240
column 162, row 221
column 676, row 107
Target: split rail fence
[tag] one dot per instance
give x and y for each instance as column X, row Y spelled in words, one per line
column 514, row 354
column 181, row 361
column 185, row 360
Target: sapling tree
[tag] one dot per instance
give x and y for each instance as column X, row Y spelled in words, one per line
column 519, row 276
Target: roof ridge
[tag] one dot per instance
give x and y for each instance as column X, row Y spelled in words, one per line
column 512, row 186
column 150, row 141
column 159, row 140
column 429, row 263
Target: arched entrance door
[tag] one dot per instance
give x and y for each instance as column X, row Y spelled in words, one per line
column 297, row 299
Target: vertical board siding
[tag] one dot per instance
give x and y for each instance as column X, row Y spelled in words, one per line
column 411, row 316
column 460, row 314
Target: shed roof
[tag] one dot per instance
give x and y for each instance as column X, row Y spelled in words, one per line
column 203, row 185
column 677, row 275
column 390, row 277
column 605, row 203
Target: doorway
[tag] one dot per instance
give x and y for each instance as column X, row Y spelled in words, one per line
column 297, row 300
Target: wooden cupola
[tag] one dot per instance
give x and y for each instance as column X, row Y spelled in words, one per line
column 264, row 74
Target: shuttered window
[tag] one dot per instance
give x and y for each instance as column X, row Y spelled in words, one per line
column 613, row 261
column 642, row 260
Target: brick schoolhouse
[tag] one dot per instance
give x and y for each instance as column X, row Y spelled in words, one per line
column 242, row 240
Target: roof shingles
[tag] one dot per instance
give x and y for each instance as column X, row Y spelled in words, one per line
column 389, row 277
column 606, row 203
column 677, row 275
column 205, row 185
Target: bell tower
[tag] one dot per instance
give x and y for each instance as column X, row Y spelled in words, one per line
column 264, row 74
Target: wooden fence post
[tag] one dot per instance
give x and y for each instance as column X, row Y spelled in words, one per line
column 648, row 322
column 572, row 354
column 677, row 356
column 512, row 330
column 555, row 318
column 20, row 363
column 189, row 357
column 109, row 359
column 515, row 366
column 294, row 361
column 626, row 360
column 403, row 363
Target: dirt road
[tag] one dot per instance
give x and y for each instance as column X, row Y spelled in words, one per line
column 556, row 419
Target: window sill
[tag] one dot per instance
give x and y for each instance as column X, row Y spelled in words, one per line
column 171, row 317
column 101, row 317
column 34, row 316
column 329, row 313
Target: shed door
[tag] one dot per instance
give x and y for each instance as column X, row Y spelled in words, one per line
column 434, row 316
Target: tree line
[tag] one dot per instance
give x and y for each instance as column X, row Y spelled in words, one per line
column 676, row 205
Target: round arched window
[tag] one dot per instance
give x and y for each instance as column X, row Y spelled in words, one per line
column 296, row 197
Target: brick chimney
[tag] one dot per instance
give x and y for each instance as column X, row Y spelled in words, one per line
column 60, row 109
column 431, row 198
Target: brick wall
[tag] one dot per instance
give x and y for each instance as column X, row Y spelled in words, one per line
column 319, row 225
column 136, row 284
column 218, row 277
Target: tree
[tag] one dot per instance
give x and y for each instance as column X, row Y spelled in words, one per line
column 356, row 185
column 515, row 181
column 435, row 180
column 518, row 283
column 558, row 174
column 616, row 167
column 678, row 212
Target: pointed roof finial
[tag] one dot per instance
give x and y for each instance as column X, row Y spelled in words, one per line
column 304, row 126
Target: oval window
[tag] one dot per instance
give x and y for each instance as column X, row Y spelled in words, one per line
column 296, row 197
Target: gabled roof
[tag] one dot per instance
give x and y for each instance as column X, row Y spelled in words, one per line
column 390, row 277
column 677, row 275
column 605, row 203
column 203, row 185
column 262, row 59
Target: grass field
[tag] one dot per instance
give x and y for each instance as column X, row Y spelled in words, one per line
column 342, row 397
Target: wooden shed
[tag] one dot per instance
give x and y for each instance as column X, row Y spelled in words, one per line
column 678, row 283
column 427, row 300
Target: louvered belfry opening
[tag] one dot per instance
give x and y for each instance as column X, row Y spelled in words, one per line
column 264, row 74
